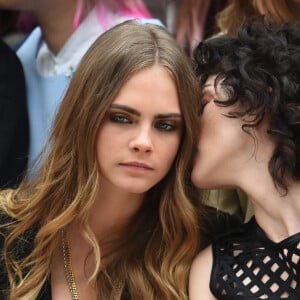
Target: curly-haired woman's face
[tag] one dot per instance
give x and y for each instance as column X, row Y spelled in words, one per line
column 140, row 136
column 223, row 146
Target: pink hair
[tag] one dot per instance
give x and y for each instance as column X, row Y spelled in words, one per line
column 132, row 9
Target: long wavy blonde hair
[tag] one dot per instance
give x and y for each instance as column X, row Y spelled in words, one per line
column 156, row 253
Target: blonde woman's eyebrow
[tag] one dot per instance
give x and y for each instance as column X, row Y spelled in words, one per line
column 126, row 108
column 137, row 113
column 169, row 115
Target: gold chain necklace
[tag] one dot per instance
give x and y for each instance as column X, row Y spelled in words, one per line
column 69, row 270
column 68, row 266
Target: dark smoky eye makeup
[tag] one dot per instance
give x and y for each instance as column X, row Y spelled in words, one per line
column 119, row 117
column 168, row 125
column 122, row 114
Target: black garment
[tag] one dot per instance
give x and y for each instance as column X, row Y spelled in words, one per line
column 247, row 266
column 23, row 247
column 46, row 293
column 14, row 136
column 214, row 223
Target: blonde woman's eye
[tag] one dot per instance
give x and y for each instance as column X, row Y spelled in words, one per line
column 165, row 126
column 119, row 118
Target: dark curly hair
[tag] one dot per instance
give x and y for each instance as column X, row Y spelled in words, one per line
column 260, row 69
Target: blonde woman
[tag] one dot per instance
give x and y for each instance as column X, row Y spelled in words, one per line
column 108, row 216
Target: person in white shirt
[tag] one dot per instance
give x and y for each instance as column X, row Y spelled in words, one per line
column 53, row 50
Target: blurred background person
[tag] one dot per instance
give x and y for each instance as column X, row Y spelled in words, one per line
column 235, row 12
column 190, row 21
column 13, row 119
column 15, row 26
column 51, row 53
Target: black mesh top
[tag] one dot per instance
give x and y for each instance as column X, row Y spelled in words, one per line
column 247, row 266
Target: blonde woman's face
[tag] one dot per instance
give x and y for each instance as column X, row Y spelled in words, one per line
column 139, row 139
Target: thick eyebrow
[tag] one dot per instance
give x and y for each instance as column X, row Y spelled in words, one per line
column 137, row 113
column 170, row 115
column 126, row 108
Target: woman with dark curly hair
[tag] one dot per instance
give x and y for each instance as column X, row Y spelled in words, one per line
column 250, row 139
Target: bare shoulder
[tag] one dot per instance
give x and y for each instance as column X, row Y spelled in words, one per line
column 200, row 276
